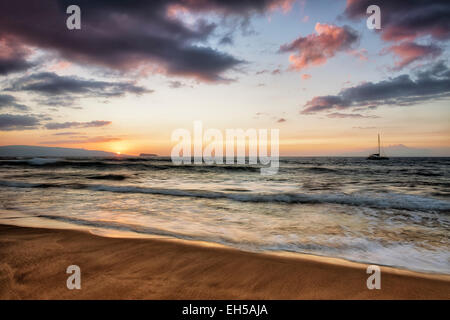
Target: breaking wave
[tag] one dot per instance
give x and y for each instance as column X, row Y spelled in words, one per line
column 372, row 200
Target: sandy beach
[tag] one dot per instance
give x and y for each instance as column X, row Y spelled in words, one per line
column 34, row 261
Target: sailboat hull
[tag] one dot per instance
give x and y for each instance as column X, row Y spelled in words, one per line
column 375, row 157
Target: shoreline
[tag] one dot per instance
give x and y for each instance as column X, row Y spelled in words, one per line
column 35, row 262
column 28, row 221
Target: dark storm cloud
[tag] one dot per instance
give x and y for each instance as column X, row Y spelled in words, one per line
column 13, row 56
column 67, row 125
column 406, row 19
column 430, row 84
column 231, row 6
column 125, row 35
column 8, row 101
column 13, row 64
column 51, row 84
column 10, row 122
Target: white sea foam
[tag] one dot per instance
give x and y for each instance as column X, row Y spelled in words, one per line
column 403, row 255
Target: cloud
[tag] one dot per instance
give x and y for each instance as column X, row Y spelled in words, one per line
column 316, row 49
column 409, row 52
column 13, row 64
column 349, row 115
column 406, row 20
column 226, row 40
column 129, row 36
column 49, row 83
column 306, row 76
column 60, row 65
column 361, row 54
column 233, row 7
column 66, row 125
column 273, row 72
column 63, row 90
column 8, row 101
column 276, row 72
column 83, row 141
column 13, row 57
column 176, row 84
column 10, row 122
column 324, row 103
column 430, row 84
column 69, row 133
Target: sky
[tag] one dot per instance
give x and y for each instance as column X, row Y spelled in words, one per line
column 138, row 70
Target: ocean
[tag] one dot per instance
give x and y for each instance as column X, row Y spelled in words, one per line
column 393, row 213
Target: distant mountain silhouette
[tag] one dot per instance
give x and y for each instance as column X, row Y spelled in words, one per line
column 38, row 151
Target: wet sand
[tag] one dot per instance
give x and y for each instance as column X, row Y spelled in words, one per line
column 33, row 264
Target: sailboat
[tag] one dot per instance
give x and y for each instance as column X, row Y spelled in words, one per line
column 377, row 156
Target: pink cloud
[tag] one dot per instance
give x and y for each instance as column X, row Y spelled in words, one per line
column 361, row 54
column 11, row 48
column 399, row 33
column 175, row 10
column 409, row 52
column 316, row 49
column 285, row 5
column 61, row 65
column 306, row 76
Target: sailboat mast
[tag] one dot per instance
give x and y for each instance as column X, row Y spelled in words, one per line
column 379, row 152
